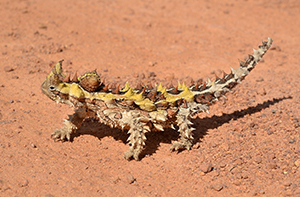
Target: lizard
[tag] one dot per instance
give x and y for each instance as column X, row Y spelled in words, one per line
column 141, row 109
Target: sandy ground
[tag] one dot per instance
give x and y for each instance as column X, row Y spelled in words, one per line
column 248, row 145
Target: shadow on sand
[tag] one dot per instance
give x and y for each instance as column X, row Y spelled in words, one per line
column 92, row 127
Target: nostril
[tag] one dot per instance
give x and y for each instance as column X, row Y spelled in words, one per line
column 51, row 87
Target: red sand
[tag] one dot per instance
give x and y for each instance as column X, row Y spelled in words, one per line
column 248, row 145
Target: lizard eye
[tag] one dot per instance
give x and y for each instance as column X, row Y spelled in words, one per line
column 51, row 88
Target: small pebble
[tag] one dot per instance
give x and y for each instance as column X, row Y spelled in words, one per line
column 152, row 63
column 33, row 145
column 131, row 179
column 217, row 187
column 269, row 132
column 258, row 160
column 252, row 125
column 296, row 122
column 42, row 26
column 277, row 48
column 291, row 141
column 170, row 77
column 8, row 69
column 24, row 184
column 262, row 92
column 245, row 176
column 69, row 62
column 237, row 182
column 271, row 156
column 262, row 191
column 206, row 167
column 223, row 164
column 149, row 25
column 150, row 74
column 141, row 76
column 272, row 165
column 116, row 180
column 260, row 79
column 48, row 195
column 297, row 162
column 287, row 183
column 105, row 147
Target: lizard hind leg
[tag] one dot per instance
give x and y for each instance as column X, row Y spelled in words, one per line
column 186, row 136
column 136, row 139
column 71, row 124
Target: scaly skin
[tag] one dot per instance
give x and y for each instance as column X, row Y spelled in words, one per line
column 142, row 109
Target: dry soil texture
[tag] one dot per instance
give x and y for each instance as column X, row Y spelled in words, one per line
column 247, row 145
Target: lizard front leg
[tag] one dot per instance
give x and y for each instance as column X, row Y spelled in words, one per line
column 71, row 124
column 136, row 139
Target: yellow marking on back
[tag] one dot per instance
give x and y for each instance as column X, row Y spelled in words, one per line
column 179, row 85
column 160, row 87
column 187, row 94
column 146, row 105
column 63, row 88
column 126, row 87
column 130, row 93
column 139, row 97
column 77, row 91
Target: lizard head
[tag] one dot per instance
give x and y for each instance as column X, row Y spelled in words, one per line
column 53, row 86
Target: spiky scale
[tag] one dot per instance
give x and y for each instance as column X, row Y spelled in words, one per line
column 116, row 90
column 158, row 127
column 90, row 81
column 242, row 64
column 203, row 87
column 67, row 79
column 113, row 85
column 175, row 91
column 217, row 77
column 139, row 86
column 75, row 78
column 105, row 89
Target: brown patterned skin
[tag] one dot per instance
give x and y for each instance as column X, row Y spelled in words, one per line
column 142, row 109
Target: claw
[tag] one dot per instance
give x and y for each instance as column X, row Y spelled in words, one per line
column 68, row 136
column 181, row 145
column 61, row 134
column 128, row 155
column 132, row 154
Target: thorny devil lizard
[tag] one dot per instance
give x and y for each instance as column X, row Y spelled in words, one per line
column 142, row 109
